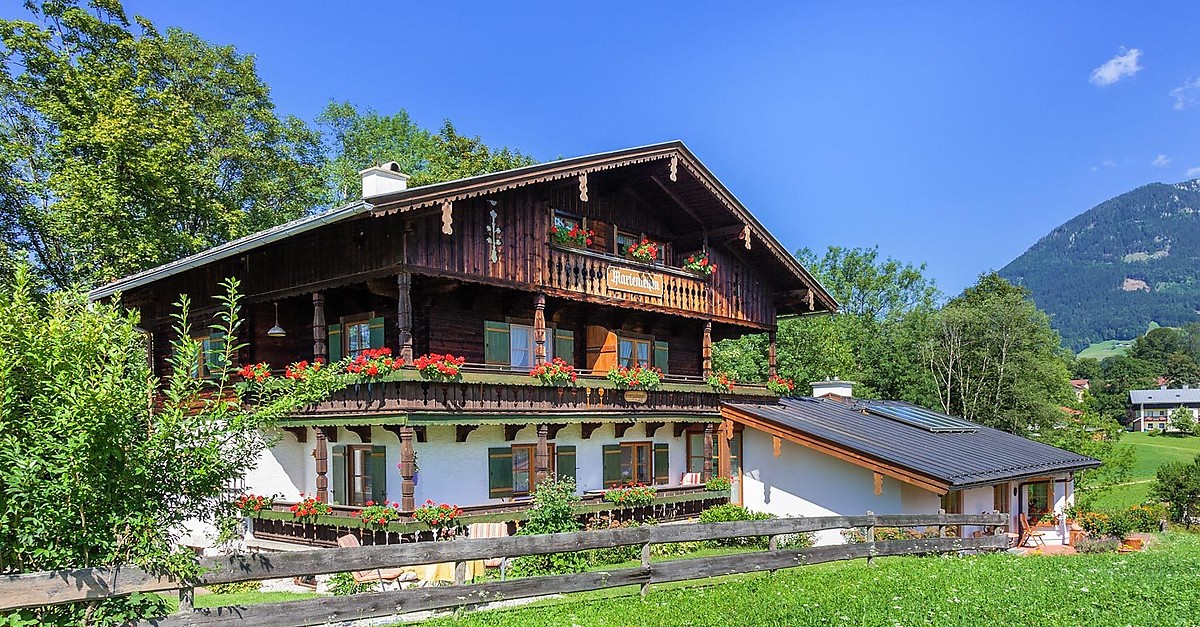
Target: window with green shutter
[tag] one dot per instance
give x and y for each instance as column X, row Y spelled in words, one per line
column 500, row 472
column 564, row 462
column 375, row 329
column 612, row 465
column 564, row 345
column 338, row 484
column 496, row 348
column 661, row 356
column 379, row 470
column 662, row 463
column 335, row 342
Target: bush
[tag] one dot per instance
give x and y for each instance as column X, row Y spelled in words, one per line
column 240, row 587
column 343, row 584
column 733, row 513
column 554, row 511
column 1098, row 545
column 1145, row 518
column 858, row 535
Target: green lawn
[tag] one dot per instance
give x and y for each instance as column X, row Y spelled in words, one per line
column 994, row 590
column 1107, row 348
column 1150, row 452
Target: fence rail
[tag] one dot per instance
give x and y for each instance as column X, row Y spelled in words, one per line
column 69, row 586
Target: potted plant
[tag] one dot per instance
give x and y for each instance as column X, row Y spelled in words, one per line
column 438, row 367
column 644, row 251
column 648, row 378
column 718, row 484
column 441, row 518
column 378, row 515
column 631, row 494
column 780, row 385
column 374, row 362
column 700, row 264
column 556, row 372
column 251, row 504
column 300, row 370
column 721, row 382
column 576, row 236
column 309, row 508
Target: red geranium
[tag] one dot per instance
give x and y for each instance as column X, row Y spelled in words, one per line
column 374, row 362
column 439, row 367
column 256, row 372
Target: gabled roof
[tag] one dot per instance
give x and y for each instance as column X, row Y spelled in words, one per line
column 1167, row 396
column 870, row 432
column 696, row 183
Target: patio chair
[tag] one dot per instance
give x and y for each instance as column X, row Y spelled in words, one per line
column 1028, row 532
column 383, row 576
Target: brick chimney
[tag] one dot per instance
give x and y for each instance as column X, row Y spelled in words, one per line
column 383, row 179
column 834, row 388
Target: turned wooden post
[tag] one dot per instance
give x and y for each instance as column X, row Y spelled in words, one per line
column 539, row 329
column 870, row 538
column 541, row 467
column 319, row 328
column 408, row 468
column 321, row 454
column 404, row 316
column 707, row 472
column 706, row 350
column 771, row 371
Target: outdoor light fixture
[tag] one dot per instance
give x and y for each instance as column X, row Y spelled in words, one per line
column 276, row 331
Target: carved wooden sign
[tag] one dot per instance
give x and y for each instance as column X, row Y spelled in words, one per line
column 626, row 280
column 636, row 397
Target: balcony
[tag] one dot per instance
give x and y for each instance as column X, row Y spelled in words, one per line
column 605, row 278
column 279, row 525
column 483, row 391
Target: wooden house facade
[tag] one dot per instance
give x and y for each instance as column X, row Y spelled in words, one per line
column 479, row 268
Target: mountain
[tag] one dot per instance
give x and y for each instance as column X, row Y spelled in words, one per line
column 1111, row 270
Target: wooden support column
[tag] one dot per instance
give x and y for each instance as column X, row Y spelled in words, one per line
column 319, row 328
column 541, row 468
column 708, row 452
column 539, row 329
column 771, row 371
column 321, row 454
column 408, row 468
column 724, row 463
column 404, row 316
column 706, row 350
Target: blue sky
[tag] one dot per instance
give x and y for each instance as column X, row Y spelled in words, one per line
column 950, row 133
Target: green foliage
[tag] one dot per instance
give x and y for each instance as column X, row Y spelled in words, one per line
column 731, row 513
column 1178, row 484
column 343, row 584
column 555, row 510
column 1183, row 421
column 127, row 148
column 718, row 484
column 240, row 587
column 92, row 476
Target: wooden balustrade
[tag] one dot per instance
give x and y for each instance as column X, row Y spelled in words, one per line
column 587, row 272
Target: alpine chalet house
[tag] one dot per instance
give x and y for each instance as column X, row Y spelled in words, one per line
column 1151, row 410
column 639, row 256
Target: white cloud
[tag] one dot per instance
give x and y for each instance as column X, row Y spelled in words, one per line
column 1123, row 65
column 1160, row 161
column 1193, row 173
column 1185, row 94
column 1110, row 163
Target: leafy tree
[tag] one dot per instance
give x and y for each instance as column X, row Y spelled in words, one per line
column 1096, row 436
column 356, row 140
column 1178, row 484
column 1181, row 370
column 1183, row 421
column 122, row 147
column 1086, row 368
column 94, row 474
column 995, row 359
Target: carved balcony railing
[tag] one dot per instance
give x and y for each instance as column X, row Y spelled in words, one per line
column 607, row 277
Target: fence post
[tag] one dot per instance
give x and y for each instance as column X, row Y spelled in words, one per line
column 186, row 600
column 772, row 546
column 645, row 564
column 871, row 539
column 460, row 573
column 941, row 527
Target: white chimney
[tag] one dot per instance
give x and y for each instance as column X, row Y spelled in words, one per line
column 833, row 387
column 383, row 179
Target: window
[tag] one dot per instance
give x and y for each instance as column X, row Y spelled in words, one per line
column 208, row 361
column 566, row 222
column 633, row 351
column 512, row 470
column 695, row 451
column 638, row 462
column 358, row 337
column 1000, row 498
column 952, row 504
column 507, row 344
column 353, row 335
column 625, row 240
column 359, row 474
column 1038, row 499
column 522, row 347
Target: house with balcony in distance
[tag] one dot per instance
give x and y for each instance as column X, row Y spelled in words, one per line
column 638, row 256
column 1151, row 410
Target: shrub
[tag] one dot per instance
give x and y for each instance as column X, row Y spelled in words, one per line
column 733, row 513
column 858, row 535
column 343, row 584
column 1098, row 545
column 718, row 484
column 1145, row 518
column 240, row 587
column 554, row 511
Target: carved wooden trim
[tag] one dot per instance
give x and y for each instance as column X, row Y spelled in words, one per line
column 330, row 432
column 462, row 431
column 589, row 428
column 399, row 429
column 652, row 427
column 674, row 166
column 745, row 236
column 300, row 433
column 363, row 432
column 620, row 428
column 583, row 187
column 510, row 432
column 448, row 217
column 553, row 429
column 679, row 428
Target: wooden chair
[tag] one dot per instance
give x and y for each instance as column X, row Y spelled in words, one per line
column 1029, row 533
column 384, row 576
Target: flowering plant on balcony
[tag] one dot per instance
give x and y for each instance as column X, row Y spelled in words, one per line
column 378, row 515
column 646, row 377
column 699, row 263
column 374, row 362
column 631, row 494
column 438, row 516
column 250, row 504
column 557, row 372
column 256, row 372
column 721, row 382
column 439, row 367
column 300, row 370
column 309, row 508
column 576, row 236
column 645, row 251
column 718, row 484
column 780, row 385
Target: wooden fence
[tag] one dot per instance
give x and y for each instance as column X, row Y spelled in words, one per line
column 82, row 585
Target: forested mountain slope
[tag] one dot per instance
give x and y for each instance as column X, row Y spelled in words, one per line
column 1108, row 272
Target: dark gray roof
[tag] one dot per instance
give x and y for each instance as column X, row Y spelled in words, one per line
column 1168, row 396
column 980, row 456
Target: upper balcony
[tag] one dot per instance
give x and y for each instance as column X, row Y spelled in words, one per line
column 603, row 277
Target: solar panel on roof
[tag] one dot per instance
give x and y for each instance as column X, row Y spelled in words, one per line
column 923, row 418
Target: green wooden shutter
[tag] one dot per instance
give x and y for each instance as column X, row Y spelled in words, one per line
column 214, row 354
column 612, row 465
column 661, row 356
column 338, row 483
column 662, row 464
column 335, row 342
column 564, row 462
column 375, row 325
column 500, row 472
column 379, row 474
column 496, row 344
column 564, row 345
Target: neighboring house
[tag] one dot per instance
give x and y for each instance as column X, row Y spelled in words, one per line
column 837, row 455
column 1152, row 409
column 484, row 268
column 1080, row 386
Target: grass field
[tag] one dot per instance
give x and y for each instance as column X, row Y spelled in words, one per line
column 994, row 590
column 1150, row 452
column 1107, row 348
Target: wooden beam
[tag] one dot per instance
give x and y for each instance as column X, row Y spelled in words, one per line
column 878, row 477
column 707, row 470
column 363, row 432
column 771, row 370
column 552, row 430
column 652, row 427
column 404, row 316
column 679, row 428
column 676, row 199
column 588, row 428
column 320, row 330
column 462, row 431
column 510, row 432
column 539, row 328
column 706, row 350
column 330, row 432
column 321, row 455
column 408, row 469
column 620, row 428
column 541, row 456
column 300, row 433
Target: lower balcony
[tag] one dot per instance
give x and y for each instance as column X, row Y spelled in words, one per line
column 279, row 525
